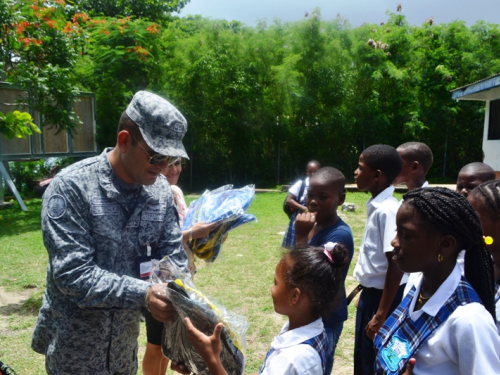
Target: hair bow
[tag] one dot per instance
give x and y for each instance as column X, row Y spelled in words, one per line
column 329, row 246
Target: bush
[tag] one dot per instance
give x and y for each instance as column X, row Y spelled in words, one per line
column 27, row 174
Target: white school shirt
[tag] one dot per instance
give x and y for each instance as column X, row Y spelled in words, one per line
column 380, row 230
column 497, row 308
column 465, row 343
column 295, row 190
column 498, row 315
column 290, row 357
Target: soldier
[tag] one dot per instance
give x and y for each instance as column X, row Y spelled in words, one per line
column 103, row 219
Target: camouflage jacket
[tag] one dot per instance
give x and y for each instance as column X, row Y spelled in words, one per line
column 89, row 319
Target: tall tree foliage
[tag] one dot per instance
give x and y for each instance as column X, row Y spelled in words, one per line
column 121, row 58
column 153, row 10
column 261, row 101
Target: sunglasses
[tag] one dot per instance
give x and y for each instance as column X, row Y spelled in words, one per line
column 156, row 158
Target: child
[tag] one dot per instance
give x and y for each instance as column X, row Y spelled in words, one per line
column 320, row 225
column 380, row 279
column 485, row 200
column 446, row 322
column 305, row 283
column 472, row 175
column 416, row 158
column 296, row 199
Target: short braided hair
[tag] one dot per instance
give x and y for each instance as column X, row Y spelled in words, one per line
column 489, row 193
column 451, row 214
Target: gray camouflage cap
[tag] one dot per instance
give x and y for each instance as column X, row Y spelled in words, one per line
column 161, row 124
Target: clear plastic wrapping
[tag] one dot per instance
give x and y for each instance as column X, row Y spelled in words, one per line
column 205, row 314
column 224, row 205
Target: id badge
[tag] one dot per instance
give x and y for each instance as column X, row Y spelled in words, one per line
column 144, row 264
column 144, row 267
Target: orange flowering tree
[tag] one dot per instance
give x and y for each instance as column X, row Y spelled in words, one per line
column 121, row 58
column 39, row 44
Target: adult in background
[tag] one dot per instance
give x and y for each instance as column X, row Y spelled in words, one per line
column 154, row 362
column 296, row 200
column 102, row 220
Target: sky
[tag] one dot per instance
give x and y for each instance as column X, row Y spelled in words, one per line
column 356, row 11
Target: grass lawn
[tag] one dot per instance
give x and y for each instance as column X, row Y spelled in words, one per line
column 240, row 279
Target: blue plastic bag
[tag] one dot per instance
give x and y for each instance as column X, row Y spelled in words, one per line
column 224, row 205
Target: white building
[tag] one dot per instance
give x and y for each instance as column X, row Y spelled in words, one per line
column 487, row 90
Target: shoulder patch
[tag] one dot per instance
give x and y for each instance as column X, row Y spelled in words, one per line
column 56, row 207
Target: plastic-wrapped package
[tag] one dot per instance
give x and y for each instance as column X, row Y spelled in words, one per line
column 205, row 314
column 225, row 205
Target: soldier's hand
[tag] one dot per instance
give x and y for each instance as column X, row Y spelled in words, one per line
column 159, row 305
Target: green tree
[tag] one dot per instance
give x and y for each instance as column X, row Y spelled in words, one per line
column 17, row 124
column 154, row 10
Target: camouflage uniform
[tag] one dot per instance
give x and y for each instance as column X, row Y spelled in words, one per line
column 89, row 320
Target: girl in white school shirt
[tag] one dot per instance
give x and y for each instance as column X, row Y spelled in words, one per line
column 446, row 323
column 305, row 284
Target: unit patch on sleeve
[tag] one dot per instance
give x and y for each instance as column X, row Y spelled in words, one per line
column 56, row 207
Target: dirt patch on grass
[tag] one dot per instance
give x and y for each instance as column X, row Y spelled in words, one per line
column 10, row 303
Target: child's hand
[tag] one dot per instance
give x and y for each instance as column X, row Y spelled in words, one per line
column 409, row 367
column 373, row 326
column 201, row 230
column 209, row 348
column 304, row 223
column 179, row 367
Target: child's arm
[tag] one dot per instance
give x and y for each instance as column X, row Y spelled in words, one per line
column 391, row 286
column 209, row 348
column 293, row 202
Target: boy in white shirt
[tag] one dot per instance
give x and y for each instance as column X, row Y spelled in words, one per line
column 380, row 278
column 416, row 158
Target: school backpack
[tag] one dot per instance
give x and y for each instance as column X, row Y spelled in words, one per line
column 286, row 208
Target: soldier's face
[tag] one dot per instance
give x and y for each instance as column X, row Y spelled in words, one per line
column 138, row 167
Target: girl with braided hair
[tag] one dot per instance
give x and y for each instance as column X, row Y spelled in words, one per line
column 485, row 199
column 446, row 323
